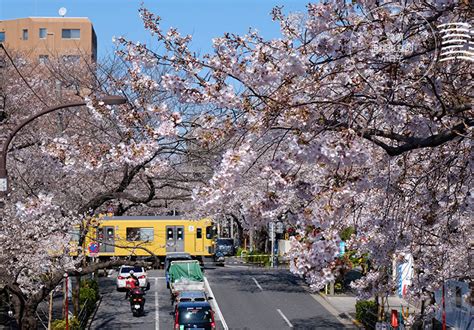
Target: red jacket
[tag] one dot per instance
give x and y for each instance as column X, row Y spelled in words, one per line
column 132, row 283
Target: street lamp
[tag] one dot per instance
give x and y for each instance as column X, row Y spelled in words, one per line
column 108, row 100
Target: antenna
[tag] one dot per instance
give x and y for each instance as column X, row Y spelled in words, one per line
column 62, row 11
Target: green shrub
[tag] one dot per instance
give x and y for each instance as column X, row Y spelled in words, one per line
column 93, row 284
column 87, row 299
column 240, row 251
column 257, row 257
column 338, row 287
column 61, row 324
column 366, row 313
column 88, row 295
column 346, row 233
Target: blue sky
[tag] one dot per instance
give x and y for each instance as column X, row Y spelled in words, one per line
column 204, row 19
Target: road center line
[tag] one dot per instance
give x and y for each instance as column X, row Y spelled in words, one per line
column 253, row 278
column 216, row 306
column 157, row 311
column 285, row 318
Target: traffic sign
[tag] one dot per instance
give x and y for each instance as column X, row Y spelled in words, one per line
column 93, row 249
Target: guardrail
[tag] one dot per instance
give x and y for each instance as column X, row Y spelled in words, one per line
column 255, row 260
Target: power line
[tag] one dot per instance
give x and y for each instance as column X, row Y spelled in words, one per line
column 22, row 77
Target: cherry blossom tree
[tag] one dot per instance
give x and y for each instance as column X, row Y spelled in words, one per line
column 347, row 119
column 69, row 165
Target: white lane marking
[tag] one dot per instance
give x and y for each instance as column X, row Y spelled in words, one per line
column 156, row 277
column 157, row 312
column 214, row 302
column 285, row 318
column 253, row 278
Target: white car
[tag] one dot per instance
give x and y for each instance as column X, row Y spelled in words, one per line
column 124, row 274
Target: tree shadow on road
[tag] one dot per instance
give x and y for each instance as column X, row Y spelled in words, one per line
column 316, row 322
column 277, row 281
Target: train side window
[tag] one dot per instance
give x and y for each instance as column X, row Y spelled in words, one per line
column 169, row 234
column 209, row 232
column 180, row 233
column 199, row 233
column 75, row 234
column 140, row 234
column 133, row 234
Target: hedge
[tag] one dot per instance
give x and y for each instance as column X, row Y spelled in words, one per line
column 366, row 313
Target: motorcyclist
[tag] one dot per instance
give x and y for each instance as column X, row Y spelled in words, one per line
column 131, row 283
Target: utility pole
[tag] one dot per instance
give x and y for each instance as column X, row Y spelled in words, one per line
column 50, row 310
column 66, row 299
column 3, row 135
column 251, row 233
column 272, row 239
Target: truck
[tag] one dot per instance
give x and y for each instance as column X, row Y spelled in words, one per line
column 185, row 275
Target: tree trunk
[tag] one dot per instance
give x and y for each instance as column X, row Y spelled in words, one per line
column 28, row 319
column 75, row 295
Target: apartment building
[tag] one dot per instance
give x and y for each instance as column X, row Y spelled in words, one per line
column 40, row 38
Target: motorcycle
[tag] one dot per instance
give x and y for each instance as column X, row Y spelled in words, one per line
column 137, row 301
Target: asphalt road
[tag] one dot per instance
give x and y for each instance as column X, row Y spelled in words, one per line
column 253, row 298
column 247, row 298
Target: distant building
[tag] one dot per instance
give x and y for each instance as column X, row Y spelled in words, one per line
column 40, row 38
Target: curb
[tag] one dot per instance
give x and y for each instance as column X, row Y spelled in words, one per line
column 347, row 315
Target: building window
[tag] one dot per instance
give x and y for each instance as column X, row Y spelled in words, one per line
column 43, row 59
column 42, row 33
column 71, row 58
column 25, row 34
column 71, row 34
column 2, row 36
column 140, row 234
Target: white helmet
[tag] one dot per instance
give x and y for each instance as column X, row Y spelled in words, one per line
column 131, row 272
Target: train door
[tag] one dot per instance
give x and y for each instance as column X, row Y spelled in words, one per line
column 199, row 242
column 174, row 238
column 106, row 238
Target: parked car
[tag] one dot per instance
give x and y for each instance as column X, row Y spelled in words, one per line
column 138, row 271
column 174, row 256
column 186, row 296
column 192, row 315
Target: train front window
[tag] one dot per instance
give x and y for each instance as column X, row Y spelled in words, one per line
column 209, row 232
column 199, row 233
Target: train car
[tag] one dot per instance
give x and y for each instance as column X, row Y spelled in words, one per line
column 145, row 236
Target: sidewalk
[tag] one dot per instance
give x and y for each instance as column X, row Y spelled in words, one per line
column 343, row 305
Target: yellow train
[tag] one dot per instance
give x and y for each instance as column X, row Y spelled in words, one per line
column 148, row 236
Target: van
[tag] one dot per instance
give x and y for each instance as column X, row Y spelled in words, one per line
column 194, row 315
